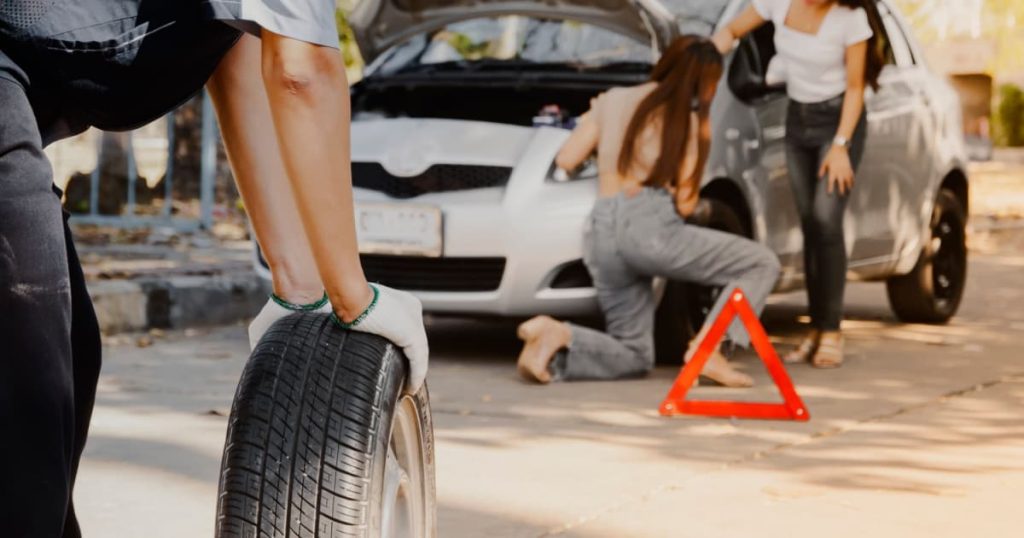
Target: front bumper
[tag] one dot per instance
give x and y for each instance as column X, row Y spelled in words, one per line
column 530, row 231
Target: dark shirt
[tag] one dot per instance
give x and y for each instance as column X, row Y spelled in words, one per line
column 112, row 64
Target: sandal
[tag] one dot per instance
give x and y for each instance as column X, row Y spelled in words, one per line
column 808, row 348
column 830, row 352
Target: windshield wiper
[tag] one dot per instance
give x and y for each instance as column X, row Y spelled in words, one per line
column 622, row 67
column 483, row 64
column 495, row 64
column 453, row 65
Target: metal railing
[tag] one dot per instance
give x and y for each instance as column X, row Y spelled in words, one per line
column 129, row 218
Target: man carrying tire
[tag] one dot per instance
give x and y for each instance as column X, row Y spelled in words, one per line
column 282, row 100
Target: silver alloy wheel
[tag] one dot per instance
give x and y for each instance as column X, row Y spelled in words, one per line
column 404, row 504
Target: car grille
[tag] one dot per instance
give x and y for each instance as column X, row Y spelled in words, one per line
column 434, row 274
column 437, row 178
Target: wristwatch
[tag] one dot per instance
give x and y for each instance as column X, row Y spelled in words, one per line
column 841, row 141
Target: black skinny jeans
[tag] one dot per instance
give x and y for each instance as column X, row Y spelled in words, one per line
column 49, row 338
column 810, row 129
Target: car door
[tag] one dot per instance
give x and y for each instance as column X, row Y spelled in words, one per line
column 882, row 196
column 910, row 212
column 750, row 143
column 782, row 223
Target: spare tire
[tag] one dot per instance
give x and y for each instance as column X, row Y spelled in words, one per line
column 322, row 441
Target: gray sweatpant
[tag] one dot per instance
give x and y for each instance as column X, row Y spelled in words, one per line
column 627, row 242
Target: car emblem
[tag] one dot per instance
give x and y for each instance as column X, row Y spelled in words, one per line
column 408, row 160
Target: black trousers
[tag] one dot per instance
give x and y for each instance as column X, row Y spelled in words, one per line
column 65, row 66
column 49, row 337
column 810, row 129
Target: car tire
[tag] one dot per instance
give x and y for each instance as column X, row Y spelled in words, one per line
column 323, row 442
column 684, row 305
column 932, row 291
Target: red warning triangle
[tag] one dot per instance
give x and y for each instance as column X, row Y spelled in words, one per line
column 791, row 408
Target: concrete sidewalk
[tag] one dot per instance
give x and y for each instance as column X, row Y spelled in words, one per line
column 920, row 435
column 169, row 280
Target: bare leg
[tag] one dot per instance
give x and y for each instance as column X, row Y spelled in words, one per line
column 243, row 110
column 543, row 337
column 309, row 102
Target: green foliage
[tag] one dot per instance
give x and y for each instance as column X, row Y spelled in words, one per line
column 465, row 46
column 347, row 40
column 1010, row 116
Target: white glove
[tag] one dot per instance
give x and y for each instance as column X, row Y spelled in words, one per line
column 398, row 316
column 273, row 311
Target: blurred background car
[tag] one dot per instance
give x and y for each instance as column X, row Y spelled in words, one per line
column 465, row 104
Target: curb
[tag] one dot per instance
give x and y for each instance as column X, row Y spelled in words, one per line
column 177, row 302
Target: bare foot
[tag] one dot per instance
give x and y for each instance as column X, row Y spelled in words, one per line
column 542, row 337
column 720, row 371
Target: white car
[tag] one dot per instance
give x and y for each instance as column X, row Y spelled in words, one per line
column 463, row 108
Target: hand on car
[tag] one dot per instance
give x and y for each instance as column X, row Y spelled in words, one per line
column 398, row 316
column 837, row 171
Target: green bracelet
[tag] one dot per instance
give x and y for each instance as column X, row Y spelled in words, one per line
column 359, row 319
column 299, row 307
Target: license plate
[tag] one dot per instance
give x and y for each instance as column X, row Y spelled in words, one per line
column 401, row 229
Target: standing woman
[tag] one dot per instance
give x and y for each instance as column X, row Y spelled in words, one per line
column 828, row 51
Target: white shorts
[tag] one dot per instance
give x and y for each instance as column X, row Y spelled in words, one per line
column 312, row 21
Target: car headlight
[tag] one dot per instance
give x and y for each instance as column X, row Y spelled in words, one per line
column 587, row 170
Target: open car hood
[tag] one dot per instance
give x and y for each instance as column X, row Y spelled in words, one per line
column 380, row 24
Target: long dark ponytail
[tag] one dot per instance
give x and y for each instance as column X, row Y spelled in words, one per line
column 876, row 54
column 687, row 75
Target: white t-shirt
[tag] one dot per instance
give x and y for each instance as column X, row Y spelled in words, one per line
column 814, row 66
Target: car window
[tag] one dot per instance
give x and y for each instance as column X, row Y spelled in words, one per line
column 513, row 39
column 756, row 50
column 764, row 45
column 885, row 43
column 747, row 76
column 900, row 50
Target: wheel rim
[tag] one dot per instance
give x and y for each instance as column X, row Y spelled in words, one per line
column 403, row 509
column 703, row 298
column 948, row 261
column 702, row 301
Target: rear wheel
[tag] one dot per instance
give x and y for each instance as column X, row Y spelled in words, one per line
column 322, row 442
column 931, row 292
column 684, row 306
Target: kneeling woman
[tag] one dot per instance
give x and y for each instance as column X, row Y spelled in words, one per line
column 652, row 143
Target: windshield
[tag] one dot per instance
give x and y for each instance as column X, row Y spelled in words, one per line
column 696, row 16
column 513, row 40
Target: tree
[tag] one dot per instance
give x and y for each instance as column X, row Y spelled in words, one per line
column 347, row 41
column 1001, row 21
column 1011, row 115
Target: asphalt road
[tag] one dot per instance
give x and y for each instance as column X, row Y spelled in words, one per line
column 921, row 433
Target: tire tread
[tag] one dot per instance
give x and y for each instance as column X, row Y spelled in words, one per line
column 302, row 435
